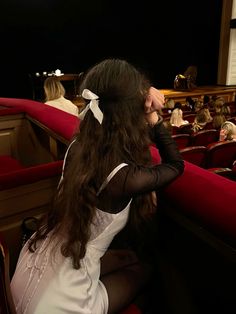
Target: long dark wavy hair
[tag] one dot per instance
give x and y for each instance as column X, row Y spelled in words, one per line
column 122, row 137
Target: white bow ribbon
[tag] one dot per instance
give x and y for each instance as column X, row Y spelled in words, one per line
column 92, row 105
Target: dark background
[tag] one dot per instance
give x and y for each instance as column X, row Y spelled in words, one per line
column 160, row 37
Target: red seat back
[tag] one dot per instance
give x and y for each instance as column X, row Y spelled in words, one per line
column 185, row 129
column 204, row 137
column 195, row 154
column 189, row 117
column 182, row 140
column 221, row 154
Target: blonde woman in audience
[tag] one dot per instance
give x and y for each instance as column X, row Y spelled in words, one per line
column 176, row 118
column 200, row 121
column 55, row 92
column 228, row 131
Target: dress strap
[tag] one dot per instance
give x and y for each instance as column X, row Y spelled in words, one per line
column 110, row 176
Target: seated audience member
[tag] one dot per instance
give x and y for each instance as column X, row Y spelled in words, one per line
column 207, row 112
column 218, row 105
column 218, row 120
column 178, row 105
column 55, row 92
column 190, row 103
column 198, row 105
column 228, row 131
column 176, row 118
column 169, row 103
column 206, row 100
column 200, row 121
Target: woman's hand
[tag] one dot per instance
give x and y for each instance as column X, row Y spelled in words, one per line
column 223, row 135
column 154, row 102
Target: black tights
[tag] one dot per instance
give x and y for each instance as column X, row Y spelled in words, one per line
column 124, row 276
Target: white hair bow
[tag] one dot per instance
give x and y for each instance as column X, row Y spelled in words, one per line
column 92, row 105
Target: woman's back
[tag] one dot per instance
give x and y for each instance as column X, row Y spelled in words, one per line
column 46, row 282
column 54, row 93
column 176, row 118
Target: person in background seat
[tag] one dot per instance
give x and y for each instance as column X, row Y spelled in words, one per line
column 228, row 131
column 176, row 118
column 55, row 96
column 218, row 120
column 202, row 118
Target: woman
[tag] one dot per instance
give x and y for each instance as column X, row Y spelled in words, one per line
column 55, row 96
column 176, row 118
column 108, row 180
column 203, row 117
column 228, row 131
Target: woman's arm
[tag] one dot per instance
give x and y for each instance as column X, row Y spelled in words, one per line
column 145, row 179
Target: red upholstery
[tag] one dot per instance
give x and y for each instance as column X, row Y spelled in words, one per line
column 8, row 164
column 204, row 137
column 195, row 155
column 9, row 111
column 182, row 140
column 207, row 198
column 185, row 129
column 232, row 119
column 30, row 174
column 221, row 154
column 47, row 115
column 189, row 117
column 156, row 158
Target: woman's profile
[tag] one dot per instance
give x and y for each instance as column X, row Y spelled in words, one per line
column 227, row 131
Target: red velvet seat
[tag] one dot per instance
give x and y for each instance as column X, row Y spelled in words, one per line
column 185, row 129
column 204, row 137
column 221, row 154
column 232, row 119
column 195, row 154
column 156, row 158
column 208, row 126
column 190, row 117
column 182, row 140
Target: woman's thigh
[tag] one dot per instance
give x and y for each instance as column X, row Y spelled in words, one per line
column 123, row 276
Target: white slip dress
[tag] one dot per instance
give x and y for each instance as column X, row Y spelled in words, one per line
column 45, row 282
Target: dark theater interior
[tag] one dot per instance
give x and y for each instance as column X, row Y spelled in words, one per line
column 187, row 225
column 163, row 38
